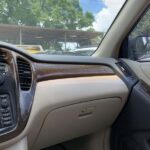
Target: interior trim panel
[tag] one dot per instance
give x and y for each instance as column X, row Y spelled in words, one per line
column 56, row 71
column 131, row 129
column 77, row 120
column 20, row 145
column 54, row 94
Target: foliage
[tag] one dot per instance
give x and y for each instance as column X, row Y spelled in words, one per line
column 60, row 14
column 143, row 27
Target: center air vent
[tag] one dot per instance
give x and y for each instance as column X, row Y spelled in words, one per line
column 2, row 56
column 2, row 68
column 25, row 74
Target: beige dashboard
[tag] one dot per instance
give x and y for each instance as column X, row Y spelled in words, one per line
column 64, row 109
column 52, row 103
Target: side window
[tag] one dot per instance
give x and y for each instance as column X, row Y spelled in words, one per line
column 139, row 40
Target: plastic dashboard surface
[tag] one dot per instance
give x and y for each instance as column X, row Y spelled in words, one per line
column 18, row 78
column 22, row 85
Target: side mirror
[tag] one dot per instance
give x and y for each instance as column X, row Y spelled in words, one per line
column 143, row 43
column 141, row 46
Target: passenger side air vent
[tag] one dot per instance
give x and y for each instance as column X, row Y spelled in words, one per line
column 124, row 69
column 25, row 74
column 127, row 72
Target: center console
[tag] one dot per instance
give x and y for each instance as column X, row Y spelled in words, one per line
column 7, row 99
column 15, row 93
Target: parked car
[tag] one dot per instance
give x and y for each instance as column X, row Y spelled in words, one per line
column 85, row 51
column 31, row 48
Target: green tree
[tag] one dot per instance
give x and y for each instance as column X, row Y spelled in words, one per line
column 143, row 27
column 61, row 14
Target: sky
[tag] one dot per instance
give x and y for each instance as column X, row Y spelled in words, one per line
column 104, row 12
column 93, row 6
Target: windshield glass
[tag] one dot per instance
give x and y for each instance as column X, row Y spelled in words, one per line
column 57, row 27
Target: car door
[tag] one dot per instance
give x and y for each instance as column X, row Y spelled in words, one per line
column 132, row 128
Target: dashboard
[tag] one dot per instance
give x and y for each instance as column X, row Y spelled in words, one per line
column 34, row 92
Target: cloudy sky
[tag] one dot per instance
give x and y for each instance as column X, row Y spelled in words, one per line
column 104, row 11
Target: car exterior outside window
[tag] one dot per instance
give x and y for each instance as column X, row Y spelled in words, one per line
column 57, row 27
column 139, row 40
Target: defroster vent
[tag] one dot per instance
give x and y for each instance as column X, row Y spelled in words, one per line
column 25, row 74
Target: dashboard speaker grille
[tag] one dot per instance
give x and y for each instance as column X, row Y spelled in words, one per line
column 25, row 74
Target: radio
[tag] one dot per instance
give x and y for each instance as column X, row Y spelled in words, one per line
column 6, row 118
column 3, row 70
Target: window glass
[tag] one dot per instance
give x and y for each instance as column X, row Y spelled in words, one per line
column 60, row 27
column 139, row 39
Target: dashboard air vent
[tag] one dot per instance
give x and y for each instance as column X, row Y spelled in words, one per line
column 2, row 56
column 2, row 68
column 25, row 74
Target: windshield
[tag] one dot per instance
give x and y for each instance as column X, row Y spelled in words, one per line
column 57, row 27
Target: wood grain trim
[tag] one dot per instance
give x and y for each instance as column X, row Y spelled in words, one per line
column 57, row 71
column 22, row 100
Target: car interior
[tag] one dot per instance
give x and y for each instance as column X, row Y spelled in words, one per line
column 98, row 102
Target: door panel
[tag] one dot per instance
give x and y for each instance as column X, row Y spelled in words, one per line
column 131, row 131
